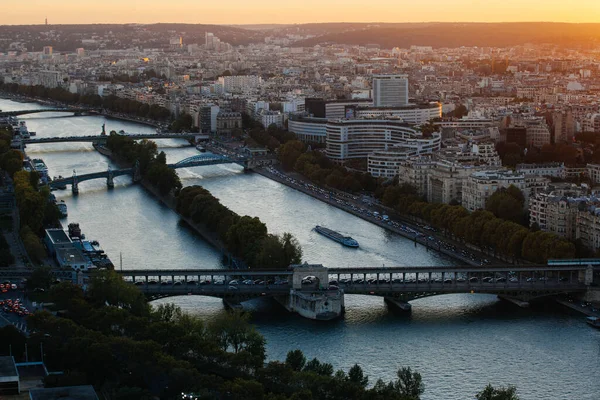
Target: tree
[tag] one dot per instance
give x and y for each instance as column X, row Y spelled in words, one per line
column 41, row 277
column 507, row 204
column 107, row 287
column 295, row 360
column 491, row 393
column 356, row 375
column 409, row 384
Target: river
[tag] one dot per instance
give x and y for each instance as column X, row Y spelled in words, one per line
column 458, row 343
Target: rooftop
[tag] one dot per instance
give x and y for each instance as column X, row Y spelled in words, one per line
column 64, row 393
column 58, row 236
column 7, row 367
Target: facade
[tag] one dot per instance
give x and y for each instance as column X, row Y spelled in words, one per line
column 386, row 163
column 228, row 122
column 556, row 170
column 207, row 116
column 268, row 118
column 390, row 90
column 593, row 171
column 417, row 114
column 308, row 129
column 481, row 185
column 446, row 180
column 240, row 83
column 357, row 138
column 320, row 108
column 538, row 133
column 556, row 214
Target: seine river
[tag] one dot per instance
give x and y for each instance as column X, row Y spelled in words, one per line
column 458, row 343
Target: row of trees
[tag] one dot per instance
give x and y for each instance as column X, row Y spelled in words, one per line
column 111, row 338
column 315, row 166
column 245, row 237
column 36, row 211
column 111, row 103
column 482, row 228
column 153, row 165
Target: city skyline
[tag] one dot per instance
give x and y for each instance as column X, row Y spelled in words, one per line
column 270, row 12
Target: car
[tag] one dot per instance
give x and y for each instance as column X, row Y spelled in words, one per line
column 460, row 280
column 333, row 287
column 219, row 282
column 177, row 283
column 248, row 282
column 232, row 287
column 233, row 282
column 501, row 279
column 473, row 279
column 487, row 279
column 138, row 283
column 333, row 282
column 447, row 280
column 530, row 279
column 13, row 286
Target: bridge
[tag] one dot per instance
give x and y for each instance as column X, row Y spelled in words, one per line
column 313, row 290
column 110, row 174
column 102, row 138
column 60, row 109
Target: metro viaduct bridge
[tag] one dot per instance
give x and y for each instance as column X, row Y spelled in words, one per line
column 110, row 174
column 519, row 284
column 62, row 109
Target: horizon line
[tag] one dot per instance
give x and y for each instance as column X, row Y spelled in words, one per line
column 307, row 23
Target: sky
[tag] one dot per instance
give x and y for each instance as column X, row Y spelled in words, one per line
column 15, row 12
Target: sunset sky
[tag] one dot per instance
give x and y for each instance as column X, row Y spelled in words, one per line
column 279, row 11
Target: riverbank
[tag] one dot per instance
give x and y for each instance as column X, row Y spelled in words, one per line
column 171, row 202
column 422, row 240
column 49, row 103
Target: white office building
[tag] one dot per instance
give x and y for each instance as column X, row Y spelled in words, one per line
column 390, row 90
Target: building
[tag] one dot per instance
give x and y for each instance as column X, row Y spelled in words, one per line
column 415, row 172
column 538, row 133
column 308, row 129
column 9, row 377
column 268, row 118
column 207, row 118
column 228, row 122
column 390, row 90
column 556, row 214
column 417, row 114
column 481, row 185
column 65, row 251
column 85, row 392
column 445, row 181
column 320, row 108
column 556, row 170
column 593, row 172
column 48, row 50
column 240, row 83
column 357, row 138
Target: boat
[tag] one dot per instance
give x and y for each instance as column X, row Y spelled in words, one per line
column 200, row 148
column 338, row 237
column 593, row 321
column 62, row 207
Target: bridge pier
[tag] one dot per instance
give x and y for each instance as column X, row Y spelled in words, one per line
column 398, row 304
column 75, row 186
column 110, row 179
column 520, row 303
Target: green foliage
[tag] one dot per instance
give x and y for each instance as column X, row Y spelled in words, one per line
column 41, row 277
column 409, row 384
column 6, row 257
column 11, row 161
column 482, row 228
column 507, row 204
column 244, row 237
column 107, row 287
column 491, row 393
column 295, row 360
column 183, row 123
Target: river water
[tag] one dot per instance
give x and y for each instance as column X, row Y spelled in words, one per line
column 458, row 343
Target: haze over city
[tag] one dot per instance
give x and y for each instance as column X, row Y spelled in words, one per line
column 308, row 11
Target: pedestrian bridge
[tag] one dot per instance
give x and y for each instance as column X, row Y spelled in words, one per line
column 110, row 174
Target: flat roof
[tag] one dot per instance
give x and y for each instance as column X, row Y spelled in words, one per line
column 58, row 236
column 71, row 255
column 64, row 393
column 8, row 368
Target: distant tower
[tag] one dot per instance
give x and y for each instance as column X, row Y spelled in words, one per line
column 46, row 20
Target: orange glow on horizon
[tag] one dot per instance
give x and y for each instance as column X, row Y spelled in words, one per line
column 307, row 11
